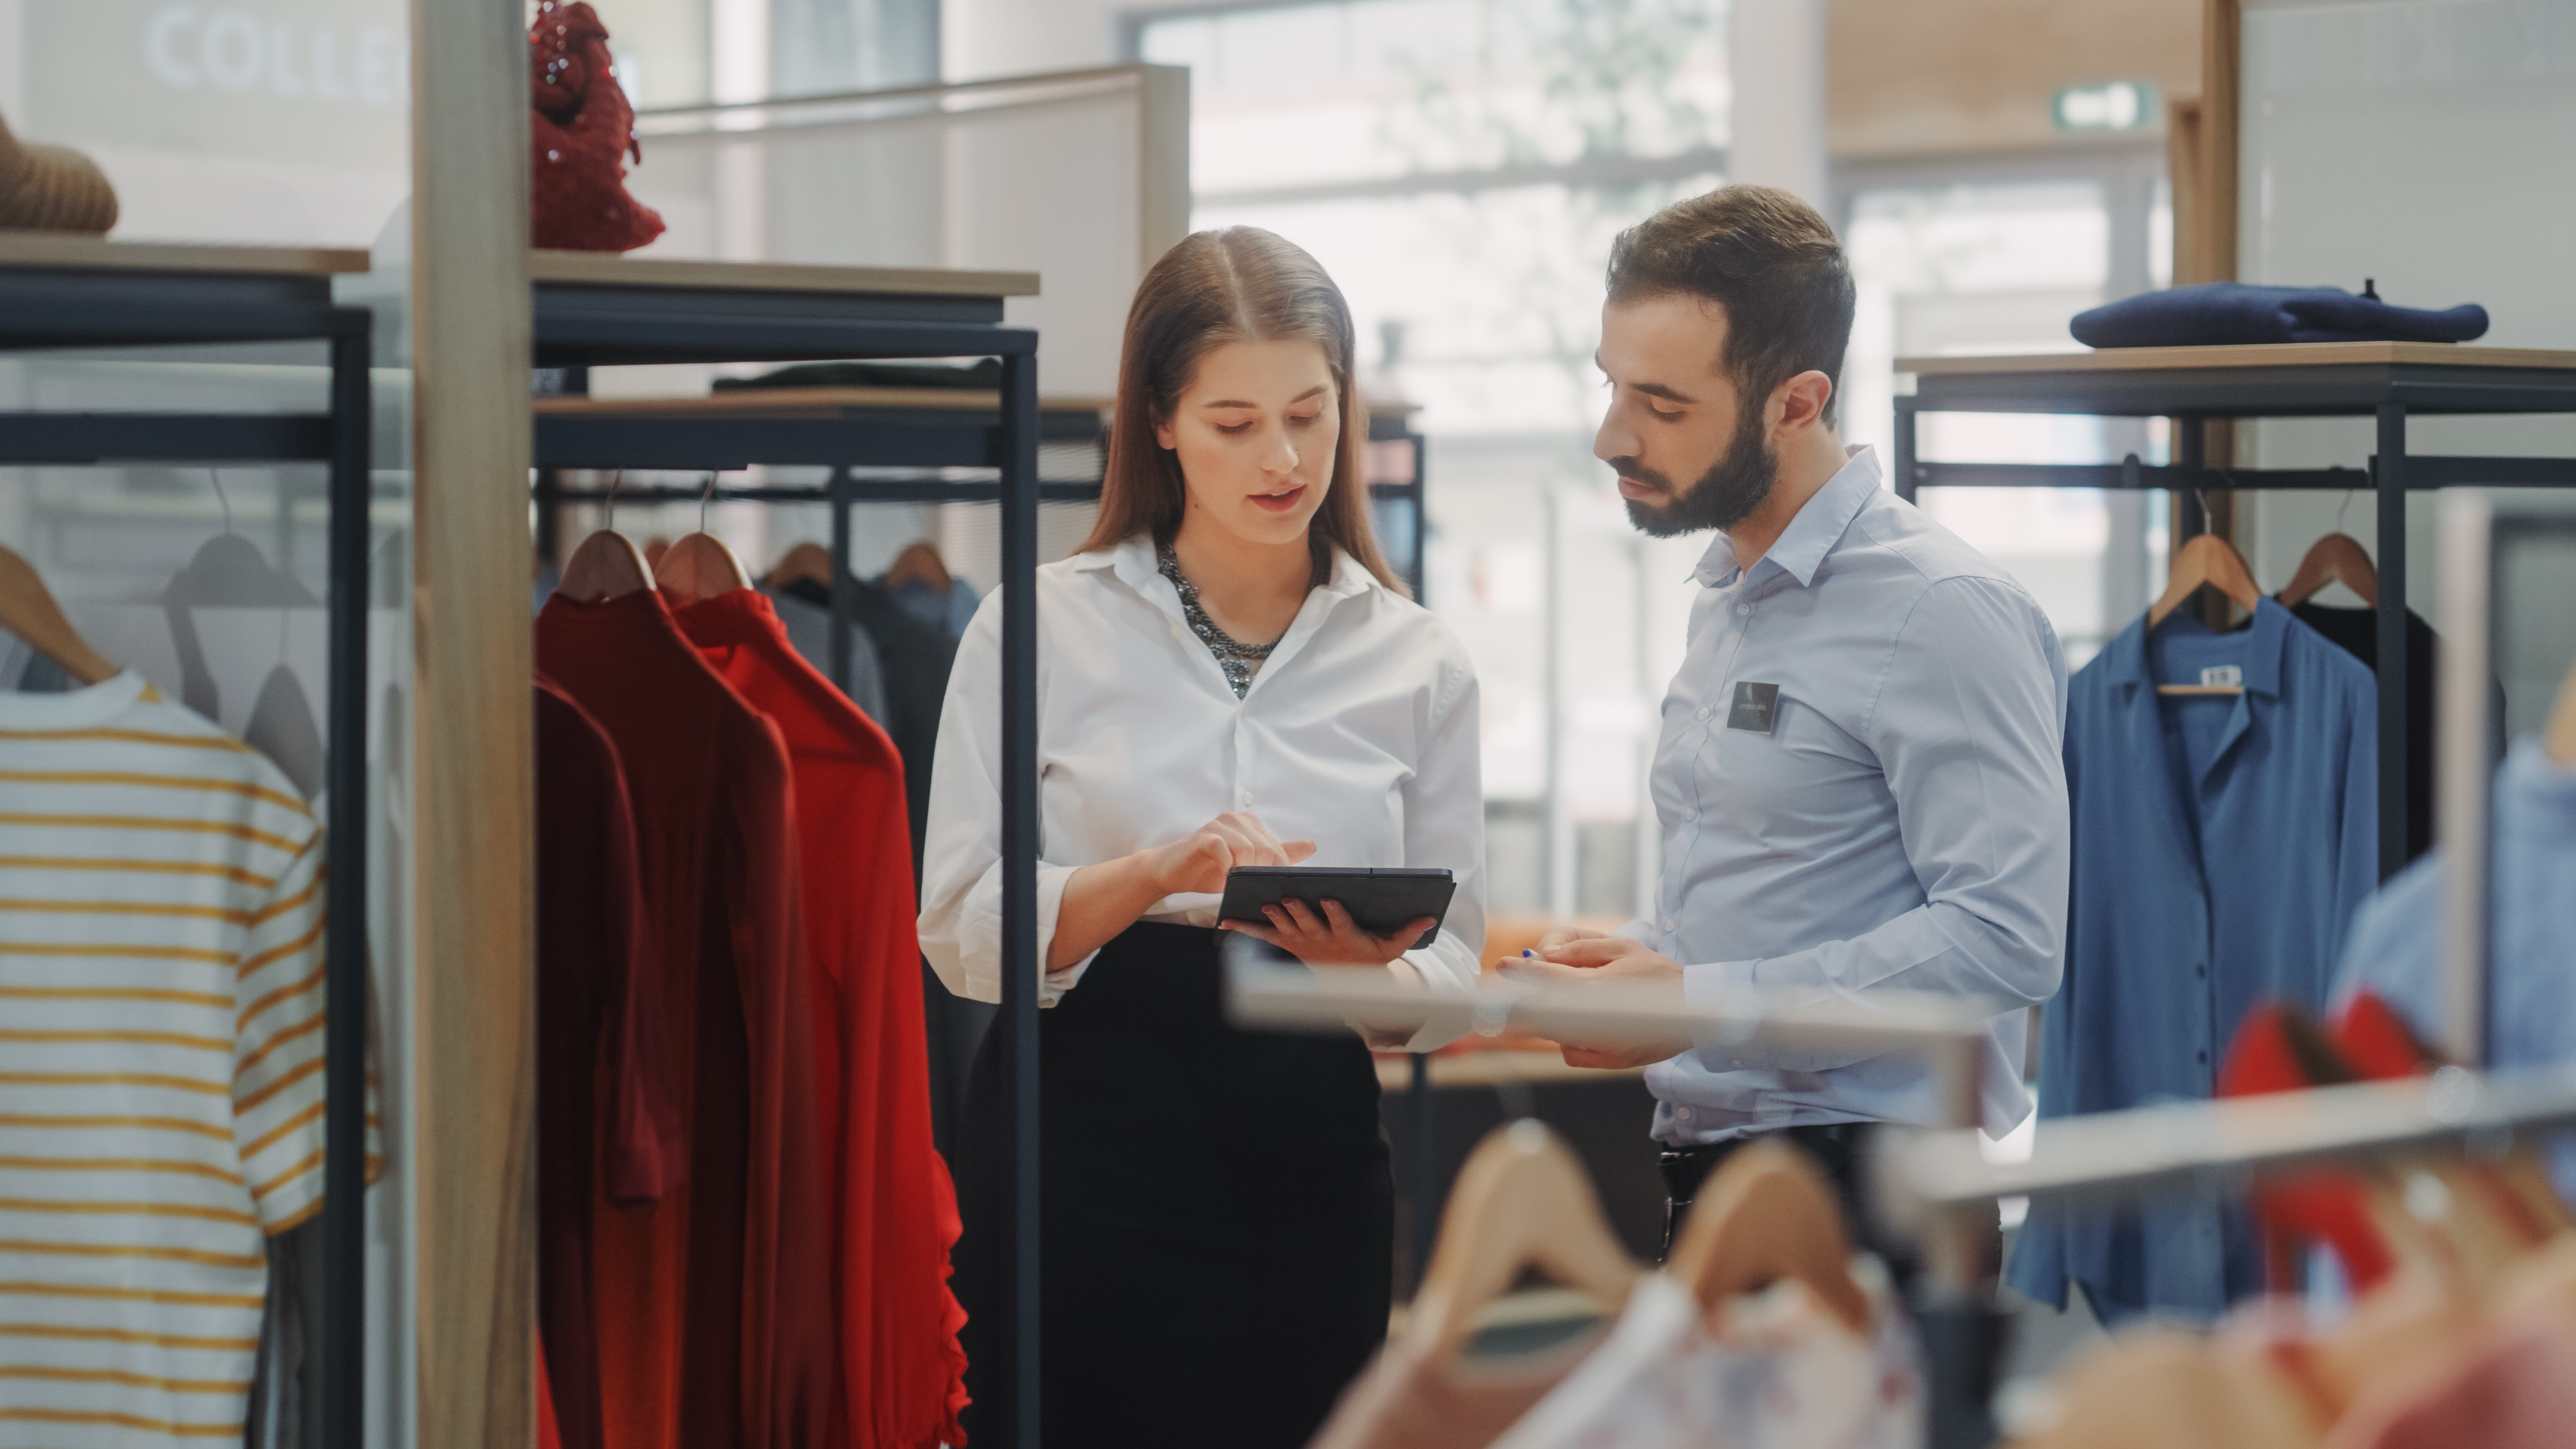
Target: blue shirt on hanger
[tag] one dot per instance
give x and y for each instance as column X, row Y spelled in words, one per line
column 2531, row 989
column 2222, row 844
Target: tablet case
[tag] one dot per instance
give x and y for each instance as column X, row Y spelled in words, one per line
column 1379, row 900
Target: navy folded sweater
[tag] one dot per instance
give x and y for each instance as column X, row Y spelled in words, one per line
column 2216, row 313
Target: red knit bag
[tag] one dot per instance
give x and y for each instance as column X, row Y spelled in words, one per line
column 580, row 132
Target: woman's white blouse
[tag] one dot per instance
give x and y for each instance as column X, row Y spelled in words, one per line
column 1359, row 733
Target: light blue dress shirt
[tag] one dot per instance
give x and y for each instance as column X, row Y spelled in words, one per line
column 2396, row 945
column 1860, row 788
column 2222, row 846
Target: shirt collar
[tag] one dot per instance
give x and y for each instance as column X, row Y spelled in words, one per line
column 1138, row 566
column 1802, row 547
column 2124, row 659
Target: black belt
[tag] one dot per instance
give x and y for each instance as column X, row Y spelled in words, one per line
column 1834, row 1147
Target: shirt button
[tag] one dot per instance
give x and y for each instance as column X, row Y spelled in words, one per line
column 1175, row 628
column 1681, row 1114
column 1744, row 608
column 1247, row 797
column 2204, row 1057
column 1692, row 814
column 1669, row 923
column 1701, row 713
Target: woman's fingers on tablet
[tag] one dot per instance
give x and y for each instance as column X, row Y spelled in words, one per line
column 1297, row 850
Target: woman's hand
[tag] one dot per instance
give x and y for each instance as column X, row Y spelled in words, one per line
column 1328, row 936
column 1197, row 862
column 1102, row 900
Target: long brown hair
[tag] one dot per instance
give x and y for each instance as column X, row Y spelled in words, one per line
column 1240, row 284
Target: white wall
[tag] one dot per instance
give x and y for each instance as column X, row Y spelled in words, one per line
column 2430, row 144
column 979, row 39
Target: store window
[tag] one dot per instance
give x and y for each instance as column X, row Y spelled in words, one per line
column 1952, row 264
column 1461, row 167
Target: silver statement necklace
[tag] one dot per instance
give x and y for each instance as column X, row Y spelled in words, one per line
column 1239, row 661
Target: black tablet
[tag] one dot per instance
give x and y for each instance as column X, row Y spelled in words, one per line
column 1379, row 900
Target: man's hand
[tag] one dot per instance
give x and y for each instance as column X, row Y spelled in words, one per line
column 1576, row 957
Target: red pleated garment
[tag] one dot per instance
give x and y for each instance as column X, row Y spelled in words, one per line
column 891, row 1200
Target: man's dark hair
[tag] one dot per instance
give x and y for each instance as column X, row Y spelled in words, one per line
column 1769, row 260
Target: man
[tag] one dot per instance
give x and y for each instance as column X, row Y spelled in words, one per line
column 1859, row 777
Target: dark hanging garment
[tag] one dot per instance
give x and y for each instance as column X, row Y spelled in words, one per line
column 915, row 659
column 2357, row 632
column 597, row 1026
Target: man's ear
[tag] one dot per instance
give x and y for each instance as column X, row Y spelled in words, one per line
column 1799, row 403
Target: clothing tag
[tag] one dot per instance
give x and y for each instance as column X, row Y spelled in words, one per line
column 2222, row 676
column 1754, row 706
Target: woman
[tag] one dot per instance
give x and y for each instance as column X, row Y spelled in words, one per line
column 1228, row 674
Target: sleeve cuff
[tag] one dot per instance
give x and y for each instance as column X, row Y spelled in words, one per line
column 1711, row 987
column 1052, row 985
column 1710, row 984
column 1641, row 931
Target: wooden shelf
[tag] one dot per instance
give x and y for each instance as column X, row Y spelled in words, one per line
column 609, row 269
column 58, row 251
column 802, row 401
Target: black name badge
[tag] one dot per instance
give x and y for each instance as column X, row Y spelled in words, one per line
column 1754, row 706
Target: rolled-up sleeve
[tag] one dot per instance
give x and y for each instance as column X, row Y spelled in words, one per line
column 961, row 859
column 1444, row 826
column 1968, row 727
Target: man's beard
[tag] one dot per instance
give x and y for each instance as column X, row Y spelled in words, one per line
column 1724, row 496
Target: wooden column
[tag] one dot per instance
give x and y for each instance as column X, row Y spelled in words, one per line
column 474, row 1044
column 2201, row 155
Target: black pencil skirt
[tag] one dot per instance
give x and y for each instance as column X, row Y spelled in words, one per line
column 1217, row 1214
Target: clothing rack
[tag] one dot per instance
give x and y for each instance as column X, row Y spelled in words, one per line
column 59, row 293
column 2192, row 386
column 2220, row 1146
column 1961, row 1330
column 594, row 310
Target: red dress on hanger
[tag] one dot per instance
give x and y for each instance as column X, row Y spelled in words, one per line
column 891, row 1201
column 606, row 1129
column 714, row 1329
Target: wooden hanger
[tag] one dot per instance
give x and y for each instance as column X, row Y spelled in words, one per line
column 807, row 562
column 2210, row 561
column 1765, row 1215
column 28, row 610
column 607, row 565
column 2335, row 558
column 1522, row 1201
column 2161, row 1387
column 700, row 565
column 919, row 563
column 697, row 567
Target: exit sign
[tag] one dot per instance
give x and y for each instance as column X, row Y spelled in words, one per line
column 2118, row 106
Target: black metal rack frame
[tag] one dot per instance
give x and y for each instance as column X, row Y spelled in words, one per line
column 2191, row 396
column 68, row 306
column 593, row 324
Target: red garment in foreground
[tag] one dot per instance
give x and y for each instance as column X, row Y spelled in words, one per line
column 892, row 1205
column 606, row 1131
column 714, row 1329
column 2515, row 1391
